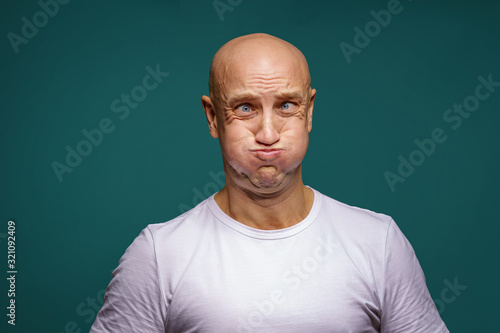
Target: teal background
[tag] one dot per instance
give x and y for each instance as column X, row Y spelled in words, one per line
column 71, row 234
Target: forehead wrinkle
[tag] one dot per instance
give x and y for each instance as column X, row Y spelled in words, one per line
column 290, row 76
column 266, row 79
column 266, row 86
column 282, row 94
column 253, row 88
column 264, row 75
column 272, row 82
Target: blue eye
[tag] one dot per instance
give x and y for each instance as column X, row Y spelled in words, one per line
column 245, row 108
column 286, row 106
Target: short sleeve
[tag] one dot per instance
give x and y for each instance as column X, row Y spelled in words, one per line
column 407, row 303
column 133, row 301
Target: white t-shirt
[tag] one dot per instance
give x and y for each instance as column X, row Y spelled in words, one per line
column 341, row 269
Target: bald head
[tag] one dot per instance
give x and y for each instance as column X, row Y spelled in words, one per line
column 250, row 51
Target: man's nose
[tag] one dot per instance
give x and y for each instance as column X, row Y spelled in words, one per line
column 268, row 131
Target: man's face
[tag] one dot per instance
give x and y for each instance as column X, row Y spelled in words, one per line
column 263, row 120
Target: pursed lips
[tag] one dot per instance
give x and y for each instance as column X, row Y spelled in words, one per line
column 267, row 153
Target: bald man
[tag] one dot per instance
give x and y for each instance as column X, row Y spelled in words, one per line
column 267, row 253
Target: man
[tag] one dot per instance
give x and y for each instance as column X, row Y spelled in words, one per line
column 266, row 253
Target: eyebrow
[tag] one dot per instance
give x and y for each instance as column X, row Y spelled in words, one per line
column 290, row 94
column 284, row 95
column 242, row 97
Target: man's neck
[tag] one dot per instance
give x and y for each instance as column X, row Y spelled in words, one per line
column 271, row 211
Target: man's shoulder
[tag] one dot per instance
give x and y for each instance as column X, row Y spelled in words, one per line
column 188, row 223
column 359, row 222
column 347, row 211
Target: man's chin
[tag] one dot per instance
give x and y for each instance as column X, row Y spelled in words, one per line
column 267, row 177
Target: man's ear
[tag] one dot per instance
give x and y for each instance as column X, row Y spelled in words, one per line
column 310, row 110
column 209, row 108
